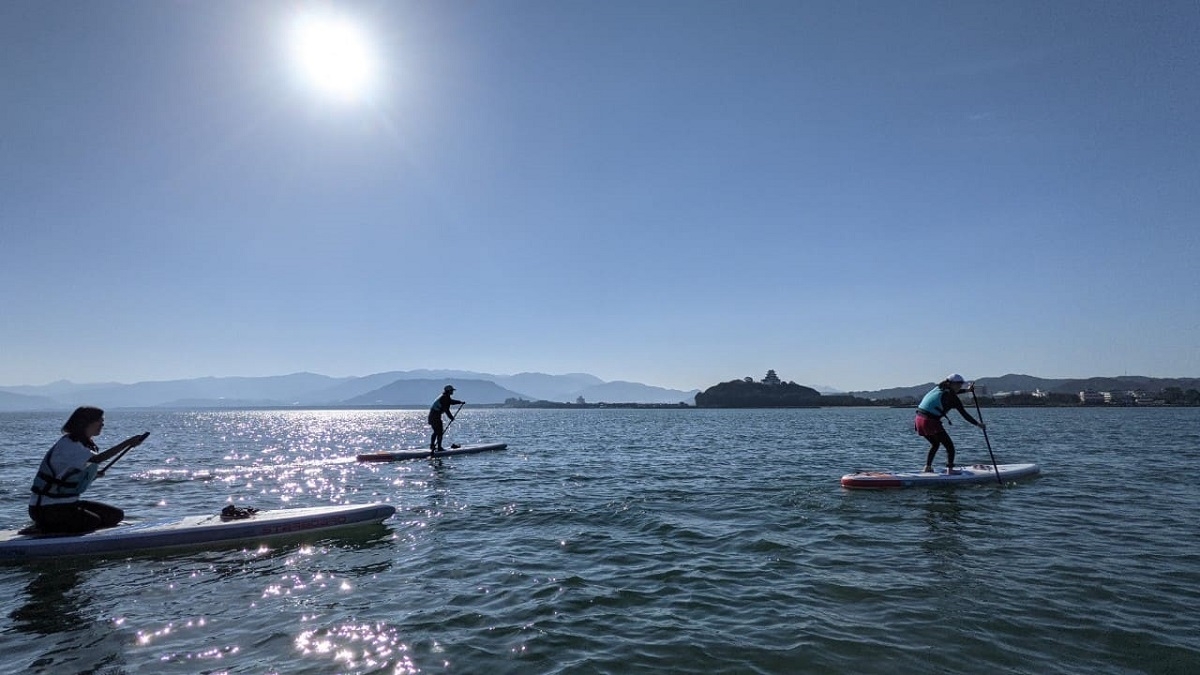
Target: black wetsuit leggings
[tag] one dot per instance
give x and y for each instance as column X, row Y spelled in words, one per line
column 81, row 516
column 435, row 439
column 942, row 438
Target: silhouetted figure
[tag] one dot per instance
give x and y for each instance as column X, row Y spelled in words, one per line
column 66, row 472
column 441, row 407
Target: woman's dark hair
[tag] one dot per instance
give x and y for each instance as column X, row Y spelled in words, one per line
column 78, row 422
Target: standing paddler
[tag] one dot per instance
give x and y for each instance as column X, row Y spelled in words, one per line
column 441, row 407
column 928, row 423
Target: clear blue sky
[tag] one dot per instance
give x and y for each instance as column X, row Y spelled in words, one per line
column 855, row 194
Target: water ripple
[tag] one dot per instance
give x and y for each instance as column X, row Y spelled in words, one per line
column 632, row 541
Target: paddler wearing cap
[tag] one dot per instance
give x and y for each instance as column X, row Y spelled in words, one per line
column 928, row 423
column 441, row 407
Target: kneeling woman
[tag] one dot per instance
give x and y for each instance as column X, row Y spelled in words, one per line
column 66, row 472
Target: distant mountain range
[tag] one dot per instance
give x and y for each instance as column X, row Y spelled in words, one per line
column 396, row 388
column 419, row 388
column 1028, row 383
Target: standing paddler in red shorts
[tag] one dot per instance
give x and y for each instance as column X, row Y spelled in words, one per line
column 937, row 404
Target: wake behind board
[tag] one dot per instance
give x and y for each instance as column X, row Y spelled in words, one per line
column 964, row 475
column 425, row 454
column 191, row 532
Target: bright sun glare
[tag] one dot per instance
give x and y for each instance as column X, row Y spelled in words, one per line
column 333, row 55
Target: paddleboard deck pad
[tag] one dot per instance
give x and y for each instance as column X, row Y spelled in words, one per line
column 964, row 475
column 425, row 454
column 191, row 532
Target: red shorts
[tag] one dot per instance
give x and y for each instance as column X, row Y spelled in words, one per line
column 928, row 426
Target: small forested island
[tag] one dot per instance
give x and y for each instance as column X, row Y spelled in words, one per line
column 770, row 392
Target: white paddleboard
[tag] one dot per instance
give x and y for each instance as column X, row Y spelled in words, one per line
column 965, row 475
column 191, row 532
column 415, row 453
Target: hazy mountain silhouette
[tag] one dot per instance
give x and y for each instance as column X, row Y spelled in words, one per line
column 310, row 389
column 420, row 387
column 629, row 392
column 13, row 401
column 539, row 386
column 423, row 392
column 1029, row 383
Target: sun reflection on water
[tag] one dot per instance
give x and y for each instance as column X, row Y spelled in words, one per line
column 370, row 646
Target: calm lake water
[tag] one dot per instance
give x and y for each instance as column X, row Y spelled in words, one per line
column 630, row 541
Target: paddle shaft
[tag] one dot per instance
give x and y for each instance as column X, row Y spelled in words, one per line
column 460, row 405
column 114, row 461
column 133, row 443
column 985, row 437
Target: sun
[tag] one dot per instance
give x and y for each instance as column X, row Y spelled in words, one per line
column 333, row 55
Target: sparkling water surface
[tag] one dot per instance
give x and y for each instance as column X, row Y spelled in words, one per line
column 629, row 541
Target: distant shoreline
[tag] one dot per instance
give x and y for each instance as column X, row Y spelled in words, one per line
column 551, row 405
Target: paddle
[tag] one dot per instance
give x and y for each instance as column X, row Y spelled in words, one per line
column 129, row 443
column 985, row 436
column 460, row 405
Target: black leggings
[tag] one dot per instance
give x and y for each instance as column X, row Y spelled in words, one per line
column 942, row 438
column 81, row 516
column 435, row 439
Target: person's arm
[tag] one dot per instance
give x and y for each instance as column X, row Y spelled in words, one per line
column 963, row 411
column 127, row 444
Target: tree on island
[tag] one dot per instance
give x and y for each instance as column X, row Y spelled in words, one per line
column 1177, row 396
column 771, row 392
